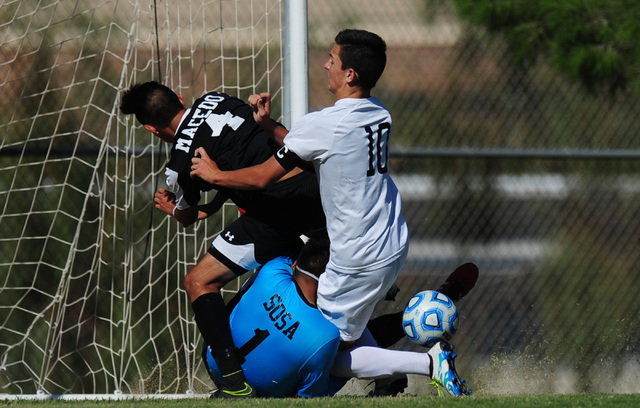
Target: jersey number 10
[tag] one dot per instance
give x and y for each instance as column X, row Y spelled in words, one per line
column 378, row 148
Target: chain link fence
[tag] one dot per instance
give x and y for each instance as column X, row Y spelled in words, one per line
column 522, row 172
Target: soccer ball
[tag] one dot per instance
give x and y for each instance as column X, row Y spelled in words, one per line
column 430, row 317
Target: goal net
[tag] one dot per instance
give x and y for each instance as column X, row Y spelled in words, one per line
column 91, row 295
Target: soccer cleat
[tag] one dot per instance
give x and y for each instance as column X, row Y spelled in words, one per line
column 460, row 282
column 443, row 369
column 247, row 392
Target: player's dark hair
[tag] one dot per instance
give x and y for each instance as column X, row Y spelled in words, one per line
column 314, row 256
column 152, row 103
column 365, row 52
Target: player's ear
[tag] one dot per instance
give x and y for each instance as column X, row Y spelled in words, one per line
column 293, row 266
column 152, row 129
column 352, row 77
column 182, row 100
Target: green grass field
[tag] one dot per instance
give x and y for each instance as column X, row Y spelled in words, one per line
column 514, row 401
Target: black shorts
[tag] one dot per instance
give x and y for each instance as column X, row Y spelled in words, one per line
column 248, row 243
column 274, row 220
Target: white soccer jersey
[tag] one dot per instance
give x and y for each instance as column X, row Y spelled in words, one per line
column 349, row 146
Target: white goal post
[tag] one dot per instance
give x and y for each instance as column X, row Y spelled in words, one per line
column 91, row 295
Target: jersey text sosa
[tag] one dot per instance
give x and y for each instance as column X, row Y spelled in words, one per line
column 279, row 316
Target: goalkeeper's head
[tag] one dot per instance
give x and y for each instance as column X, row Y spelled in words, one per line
column 153, row 104
column 312, row 259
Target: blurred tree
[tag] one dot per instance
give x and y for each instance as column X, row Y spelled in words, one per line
column 592, row 41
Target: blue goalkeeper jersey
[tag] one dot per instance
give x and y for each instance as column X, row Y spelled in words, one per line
column 288, row 346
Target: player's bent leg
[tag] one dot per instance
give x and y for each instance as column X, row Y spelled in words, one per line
column 244, row 245
column 208, row 275
column 203, row 285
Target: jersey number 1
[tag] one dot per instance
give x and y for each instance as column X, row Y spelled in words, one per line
column 378, row 148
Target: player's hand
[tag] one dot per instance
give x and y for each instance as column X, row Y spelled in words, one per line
column 165, row 201
column 202, row 166
column 261, row 104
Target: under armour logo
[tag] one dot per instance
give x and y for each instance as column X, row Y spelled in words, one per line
column 229, row 236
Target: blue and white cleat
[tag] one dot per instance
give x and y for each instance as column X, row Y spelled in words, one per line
column 443, row 369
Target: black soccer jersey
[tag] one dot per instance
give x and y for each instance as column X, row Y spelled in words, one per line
column 224, row 126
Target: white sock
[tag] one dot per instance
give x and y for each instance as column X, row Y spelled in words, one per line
column 376, row 362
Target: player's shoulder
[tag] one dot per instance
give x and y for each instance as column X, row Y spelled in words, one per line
column 352, row 109
column 376, row 102
column 220, row 101
column 219, row 95
column 324, row 119
column 279, row 262
column 277, row 266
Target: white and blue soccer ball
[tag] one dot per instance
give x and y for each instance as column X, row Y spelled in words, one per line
column 430, row 317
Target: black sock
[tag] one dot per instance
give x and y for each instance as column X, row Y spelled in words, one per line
column 213, row 322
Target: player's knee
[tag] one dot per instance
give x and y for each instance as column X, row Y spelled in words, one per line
column 197, row 284
column 189, row 284
column 194, row 287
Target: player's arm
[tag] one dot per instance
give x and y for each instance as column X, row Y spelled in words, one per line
column 261, row 104
column 212, row 207
column 165, row 201
column 249, row 178
column 187, row 216
column 276, row 131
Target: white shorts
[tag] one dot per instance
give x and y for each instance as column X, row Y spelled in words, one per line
column 348, row 299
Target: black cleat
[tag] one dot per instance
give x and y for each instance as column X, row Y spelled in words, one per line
column 460, row 282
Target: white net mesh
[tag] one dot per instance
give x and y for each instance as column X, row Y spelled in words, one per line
column 91, row 297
